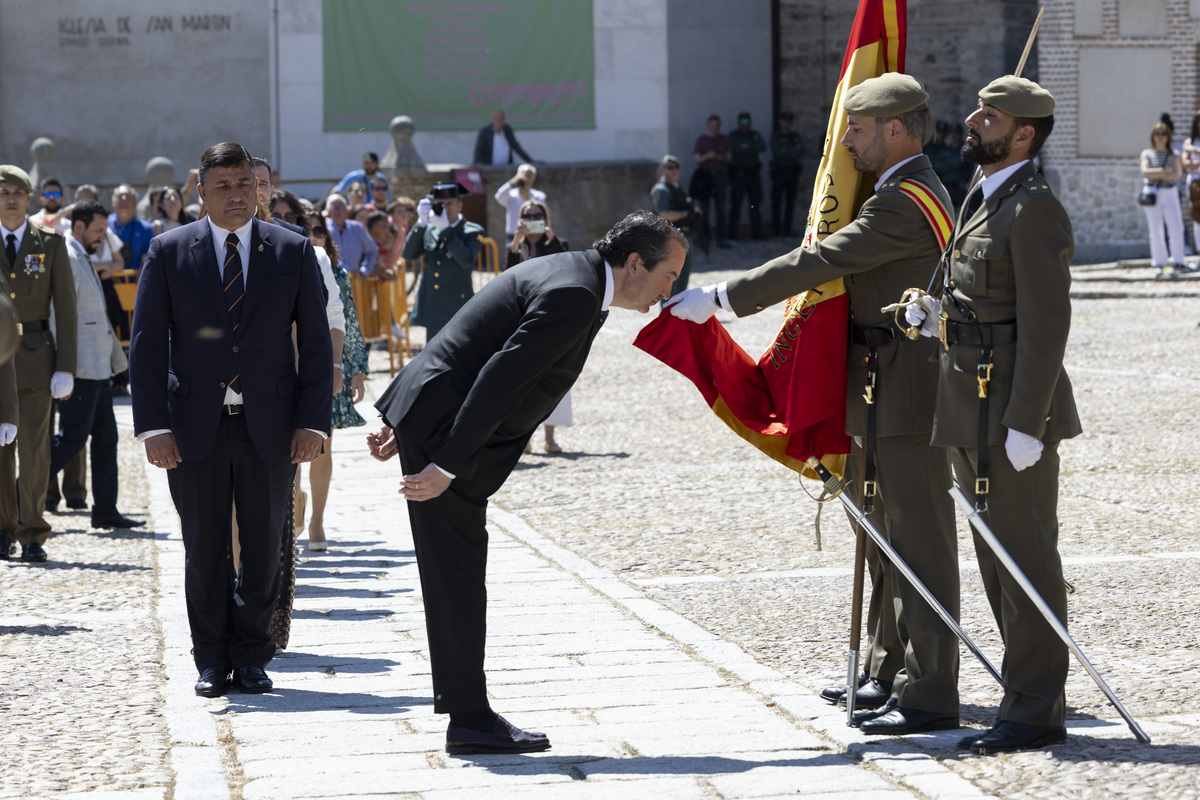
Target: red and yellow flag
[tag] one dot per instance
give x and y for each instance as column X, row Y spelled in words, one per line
column 791, row 402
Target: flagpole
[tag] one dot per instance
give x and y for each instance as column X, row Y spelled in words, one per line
column 1029, row 43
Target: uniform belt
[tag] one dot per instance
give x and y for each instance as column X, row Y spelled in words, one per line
column 872, row 337
column 975, row 333
column 232, row 409
column 36, row 326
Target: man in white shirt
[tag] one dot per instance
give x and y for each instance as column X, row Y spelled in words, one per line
column 88, row 412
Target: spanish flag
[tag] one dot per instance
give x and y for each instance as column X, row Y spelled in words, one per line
column 791, row 402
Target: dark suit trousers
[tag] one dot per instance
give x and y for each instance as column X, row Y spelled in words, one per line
column 451, row 539
column 1023, row 513
column 88, row 412
column 229, row 614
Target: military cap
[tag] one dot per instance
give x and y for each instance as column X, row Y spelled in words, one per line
column 888, row 95
column 16, row 176
column 447, row 191
column 1018, row 97
column 670, row 161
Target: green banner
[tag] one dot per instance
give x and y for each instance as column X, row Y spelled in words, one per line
column 450, row 65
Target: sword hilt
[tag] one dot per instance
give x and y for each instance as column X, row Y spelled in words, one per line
column 833, row 484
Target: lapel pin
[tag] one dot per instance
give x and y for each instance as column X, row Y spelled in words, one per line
column 260, row 248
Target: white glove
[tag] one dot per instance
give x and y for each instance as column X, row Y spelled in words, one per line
column 441, row 221
column 1023, row 450
column 924, row 315
column 695, row 305
column 423, row 209
column 8, row 432
column 61, row 385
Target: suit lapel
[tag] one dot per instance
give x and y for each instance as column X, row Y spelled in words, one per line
column 261, row 259
column 204, row 261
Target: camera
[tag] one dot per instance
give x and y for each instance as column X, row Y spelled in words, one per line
column 436, row 208
column 535, row 225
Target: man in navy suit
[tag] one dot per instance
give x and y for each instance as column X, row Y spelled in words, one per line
column 460, row 413
column 219, row 403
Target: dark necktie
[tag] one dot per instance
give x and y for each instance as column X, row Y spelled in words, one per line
column 235, row 290
column 974, row 201
column 11, row 250
column 600, row 321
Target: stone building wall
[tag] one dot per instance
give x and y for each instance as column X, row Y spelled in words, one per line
column 1113, row 66
column 954, row 48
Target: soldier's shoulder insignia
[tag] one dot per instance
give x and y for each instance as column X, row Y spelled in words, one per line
column 47, row 230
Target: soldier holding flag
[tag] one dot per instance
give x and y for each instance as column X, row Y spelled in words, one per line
column 893, row 243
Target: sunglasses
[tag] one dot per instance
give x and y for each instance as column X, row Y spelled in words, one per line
column 52, row 194
column 317, row 230
column 379, row 187
column 670, row 166
column 533, row 216
column 289, row 216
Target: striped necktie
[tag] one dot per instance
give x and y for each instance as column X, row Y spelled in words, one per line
column 235, row 290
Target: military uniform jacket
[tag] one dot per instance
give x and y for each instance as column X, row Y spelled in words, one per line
column 446, row 277
column 42, row 274
column 888, row 248
column 1009, row 263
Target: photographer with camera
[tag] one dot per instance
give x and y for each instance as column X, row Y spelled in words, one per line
column 514, row 193
column 671, row 202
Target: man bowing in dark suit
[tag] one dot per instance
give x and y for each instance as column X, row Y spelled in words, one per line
column 460, row 414
column 218, row 402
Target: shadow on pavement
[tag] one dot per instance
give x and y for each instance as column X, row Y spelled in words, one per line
column 288, row 700
column 645, row 765
column 300, row 662
column 42, row 630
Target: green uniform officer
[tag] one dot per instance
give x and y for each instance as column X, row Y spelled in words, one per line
column 34, row 270
column 888, row 248
column 451, row 246
column 786, row 149
column 745, row 175
column 1006, row 314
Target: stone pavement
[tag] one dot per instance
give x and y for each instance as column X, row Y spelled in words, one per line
column 657, row 607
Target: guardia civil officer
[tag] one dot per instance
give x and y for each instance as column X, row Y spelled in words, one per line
column 1004, row 401
column 890, row 246
column 450, row 245
column 786, row 149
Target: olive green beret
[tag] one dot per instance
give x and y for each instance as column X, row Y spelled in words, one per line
column 1018, row 97
column 888, row 95
column 16, row 176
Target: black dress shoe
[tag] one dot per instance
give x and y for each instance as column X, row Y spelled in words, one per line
column 52, row 506
column 119, row 521
column 1007, row 737
column 213, row 682
column 252, row 680
column 875, row 713
column 504, row 737
column 78, row 505
column 33, row 552
column 901, row 720
column 8, row 548
column 871, row 694
column 837, row 694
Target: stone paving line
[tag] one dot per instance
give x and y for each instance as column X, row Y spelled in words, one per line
column 638, row 701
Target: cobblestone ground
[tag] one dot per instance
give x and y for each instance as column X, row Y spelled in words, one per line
column 653, row 487
column 81, row 658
